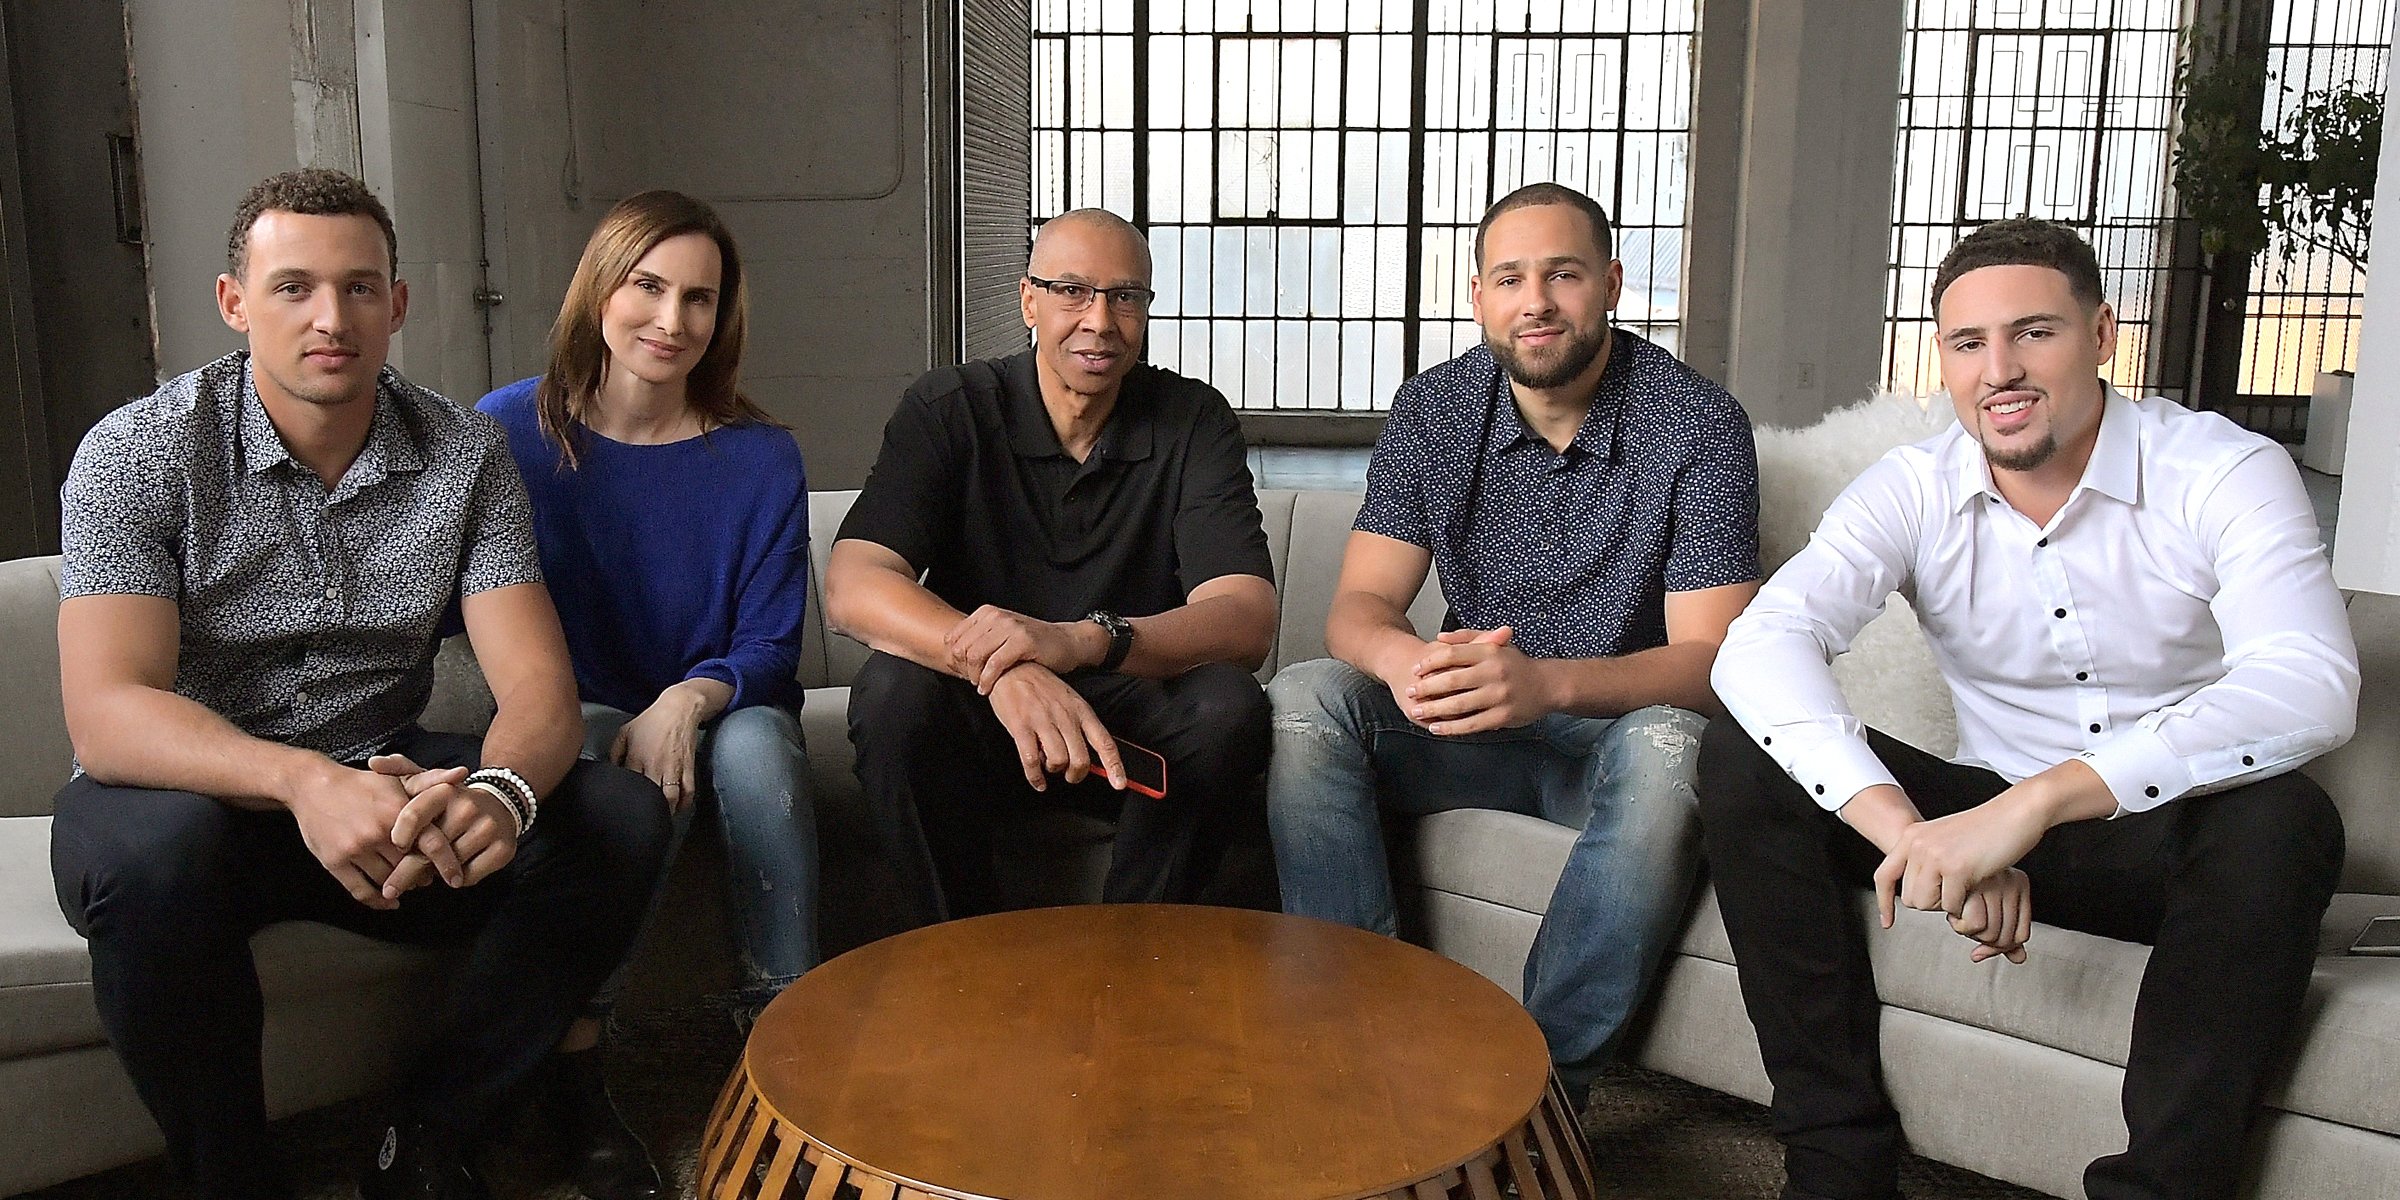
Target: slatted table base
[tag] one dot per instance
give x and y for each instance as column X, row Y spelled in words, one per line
column 751, row 1153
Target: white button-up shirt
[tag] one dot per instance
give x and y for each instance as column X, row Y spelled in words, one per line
column 2175, row 625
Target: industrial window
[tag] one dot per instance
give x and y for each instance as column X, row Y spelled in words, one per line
column 2303, row 312
column 2060, row 110
column 1268, row 150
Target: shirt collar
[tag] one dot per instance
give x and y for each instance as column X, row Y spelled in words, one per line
column 1597, row 435
column 391, row 445
column 262, row 447
column 2116, row 468
column 2114, row 471
column 1128, row 435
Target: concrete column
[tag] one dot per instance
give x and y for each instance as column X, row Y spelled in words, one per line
column 1811, row 221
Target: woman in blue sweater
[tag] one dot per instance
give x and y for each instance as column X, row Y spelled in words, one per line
column 672, row 515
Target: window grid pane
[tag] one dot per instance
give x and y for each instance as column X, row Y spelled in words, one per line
column 2303, row 310
column 2059, row 110
column 1270, row 147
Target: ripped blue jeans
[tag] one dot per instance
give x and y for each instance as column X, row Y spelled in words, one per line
column 1343, row 755
column 753, row 766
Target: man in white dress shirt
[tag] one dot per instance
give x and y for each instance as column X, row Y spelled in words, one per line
column 2143, row 640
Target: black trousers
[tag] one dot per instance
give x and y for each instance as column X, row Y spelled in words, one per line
column 938, row 767
column 2228, row 888
column 169, row 886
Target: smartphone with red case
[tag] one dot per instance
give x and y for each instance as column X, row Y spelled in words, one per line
column 1145, row 770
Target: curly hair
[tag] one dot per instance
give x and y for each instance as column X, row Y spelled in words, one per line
column 1533, row 194
column 2023, row 242
column 311, row 192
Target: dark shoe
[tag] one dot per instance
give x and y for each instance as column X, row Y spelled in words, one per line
column 604, row 1157
column 415, row 1163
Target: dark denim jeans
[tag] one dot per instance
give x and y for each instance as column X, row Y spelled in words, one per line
column 169, row 886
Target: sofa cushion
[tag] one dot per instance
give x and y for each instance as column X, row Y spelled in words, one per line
column 826, row 658
column 2359, row 774
column 46, row 975
column 33, row 740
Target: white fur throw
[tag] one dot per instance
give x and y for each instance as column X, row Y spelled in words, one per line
column 1888, row 674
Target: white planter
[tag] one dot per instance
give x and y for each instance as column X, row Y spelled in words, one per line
column 2328, row 422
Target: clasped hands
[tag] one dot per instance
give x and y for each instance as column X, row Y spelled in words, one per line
column 396, row 826
column 1017, row 662
column 1963, row 865
column 1473, row 681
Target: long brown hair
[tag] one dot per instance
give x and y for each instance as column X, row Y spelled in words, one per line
column 578, row 353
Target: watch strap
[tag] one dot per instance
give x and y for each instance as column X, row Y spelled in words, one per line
column 1120, row 637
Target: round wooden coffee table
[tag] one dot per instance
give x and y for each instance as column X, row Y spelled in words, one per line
column 1109, row 1052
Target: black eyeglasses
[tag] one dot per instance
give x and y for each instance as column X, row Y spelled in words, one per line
column 1076, row 297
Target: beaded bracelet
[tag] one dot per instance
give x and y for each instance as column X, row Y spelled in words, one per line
column 508, row 802
column 517, row 794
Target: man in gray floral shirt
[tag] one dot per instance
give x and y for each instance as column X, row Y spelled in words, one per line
column 258, row 561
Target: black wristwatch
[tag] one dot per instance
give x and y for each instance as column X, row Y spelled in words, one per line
column 1120, row 637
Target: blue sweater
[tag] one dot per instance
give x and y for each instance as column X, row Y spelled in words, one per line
column 682, row 561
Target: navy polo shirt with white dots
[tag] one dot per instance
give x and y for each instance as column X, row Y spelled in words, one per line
column 1575, row 551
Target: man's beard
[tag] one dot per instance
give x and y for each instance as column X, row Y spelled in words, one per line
column 2026, row 459
column 1575, row 355
column 2021, row 460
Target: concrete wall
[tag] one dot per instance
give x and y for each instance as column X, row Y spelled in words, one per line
column 417, row 149
column 86, row 299
column 2366, row 545
column 813, row 149
column 214, row 93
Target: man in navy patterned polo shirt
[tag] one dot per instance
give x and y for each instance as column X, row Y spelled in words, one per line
column 1592, row 505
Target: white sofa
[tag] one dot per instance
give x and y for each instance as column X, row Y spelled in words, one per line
column 2041, row 1045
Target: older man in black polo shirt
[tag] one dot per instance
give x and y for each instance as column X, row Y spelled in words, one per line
column 1593, row 506
column 1092, row 566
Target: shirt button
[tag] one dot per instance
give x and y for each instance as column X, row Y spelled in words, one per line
column 2080, row 676
column 2151, row 791
column 299, row 698
column 2095, row 729
column 2043, row 542
column 1820, row 789
column 2248, row 761
column 2060, row 613
column 1769, row 740
column 333, row 593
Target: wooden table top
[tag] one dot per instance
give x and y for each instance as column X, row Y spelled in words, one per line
column 1154, row 1051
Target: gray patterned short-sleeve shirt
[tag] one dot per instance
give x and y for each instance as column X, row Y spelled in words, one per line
column 309, row 616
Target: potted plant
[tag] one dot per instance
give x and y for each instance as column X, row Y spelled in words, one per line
column 2308, row 181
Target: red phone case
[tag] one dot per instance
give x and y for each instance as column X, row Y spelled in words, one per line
column 1127, row 750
